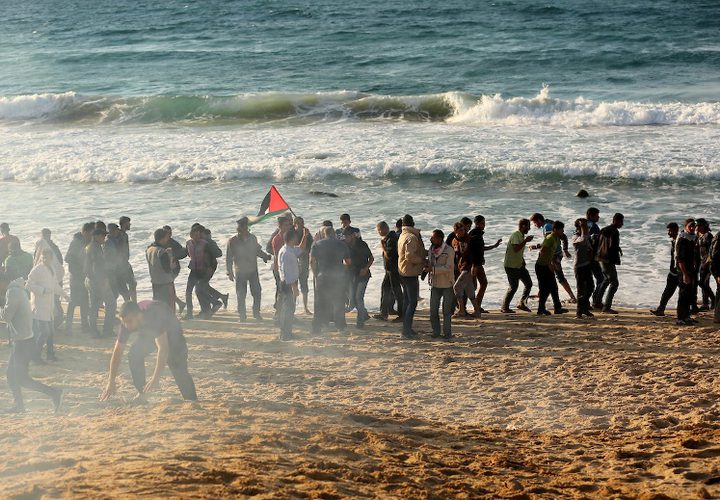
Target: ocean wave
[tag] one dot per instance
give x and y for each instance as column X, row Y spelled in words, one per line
column 458, row 108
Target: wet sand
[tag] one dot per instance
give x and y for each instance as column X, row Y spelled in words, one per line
column 514, row 406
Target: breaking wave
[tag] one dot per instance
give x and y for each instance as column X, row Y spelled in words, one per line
column 308, row 108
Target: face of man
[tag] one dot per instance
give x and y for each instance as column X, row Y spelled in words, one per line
column 100, row 238
column 690, row 228
column 619, row 223
column 524, row 228
column 460, row 232
column 594, row 217
column 345, row 222
column 165, row 241
column 299, row 224
column 480, row 225
column 436, row 240
column 131, row 322
column 701, row 229
column 383, row 231
column 672, row 232
column 559, row 232
column 125, row 226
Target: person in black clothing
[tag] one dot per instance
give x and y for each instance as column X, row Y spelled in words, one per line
column 672, row 277
column 685, row 254
column 218, row 299
column 479, row 249
column 328, row 259
column 390, row 291
column 608, row 255
column 592, row 215
column 361, row 259
column 702, row 256
column 179, row 253
column 467, row 224
column 75, row 258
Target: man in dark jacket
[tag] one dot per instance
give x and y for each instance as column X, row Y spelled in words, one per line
column 179, row 253
column 390, row 291
column 97, row 282
column 75, row 258
column 687, row 272
column 608, row 255
column 159, row 256
column 672, row 277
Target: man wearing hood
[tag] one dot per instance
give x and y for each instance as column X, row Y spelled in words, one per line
column 75, row 258
column 412, row 257
column 441, row 276
column 17, row 313
column 685, row 252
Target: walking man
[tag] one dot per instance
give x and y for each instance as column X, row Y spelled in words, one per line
column 328, row 259
column 515, row 268
column 609, row 254
column 160, row 259
column 412, row 258
column 672, row 281
column 241, row 256
column 545, row 270
column 97, row 281
column 685, row 252
column 75, row 258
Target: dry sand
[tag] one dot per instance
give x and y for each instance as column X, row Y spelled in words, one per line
column 514, row 406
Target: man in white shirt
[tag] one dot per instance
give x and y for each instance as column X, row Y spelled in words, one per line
column 289, row 271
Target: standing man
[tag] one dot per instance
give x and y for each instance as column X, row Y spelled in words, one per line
column 212, row 254
column 127, row 276
column 328, row 258
column 277, row 240
column 304, row 235
column 289, row 270
column 593, row 217
column 582, row 267
column 114, row 244
column 44, row 290
column 412, row 258
column 441, row 277
column 345, row 223
column 242, row 253
column 17, row 313
column 608, row 254
column 361, row 259
column 478, row 257
column 464, row 247
column 390, row 290
column 157, row 328
column 672, row 281
column 515, row 268
column 5, row 239
column 19, row 263
column 702, row 250
column 714, row 258
column 546, row 225
column 179, row 253
column 75, row 258
column 196, row 248
column 97, row 281
column 685, row 252
column 46, row 243
column 160, row 259
column 545, row 270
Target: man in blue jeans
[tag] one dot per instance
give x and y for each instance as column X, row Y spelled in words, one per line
column 361, row 258
column 441, row 276
column 412, row 258
column 243, row 251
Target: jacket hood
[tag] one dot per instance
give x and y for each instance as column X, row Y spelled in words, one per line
column 17, row 283
column 687, row 236
column 411, row 230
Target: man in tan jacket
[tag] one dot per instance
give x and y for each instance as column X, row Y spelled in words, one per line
column 412, row 258
column 441, row 269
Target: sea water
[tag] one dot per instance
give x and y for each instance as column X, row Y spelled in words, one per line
column 183, row 112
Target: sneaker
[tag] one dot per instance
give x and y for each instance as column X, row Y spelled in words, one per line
column 257, row 317
column 181, row 307
column 589, row 314
column 216, row 306
column 224, row 299
column 683, row 322
column 507, row 311
column 609, row 310
column 543, row 312
column 657, row 312
column 523, row 307
column 242, row 319
column 397, row 320
column 58, row 399
column 380, row 317
column 562, row 310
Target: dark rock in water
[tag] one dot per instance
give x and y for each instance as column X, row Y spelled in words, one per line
column 323, row 193
column 583, row 194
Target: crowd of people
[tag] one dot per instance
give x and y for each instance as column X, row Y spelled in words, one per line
column 339, row 262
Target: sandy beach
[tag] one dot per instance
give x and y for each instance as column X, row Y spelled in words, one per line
column 514, row 406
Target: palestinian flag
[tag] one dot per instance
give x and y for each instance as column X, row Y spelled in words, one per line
column 273, row 205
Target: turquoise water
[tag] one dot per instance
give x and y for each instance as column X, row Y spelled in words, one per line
column 176, row 112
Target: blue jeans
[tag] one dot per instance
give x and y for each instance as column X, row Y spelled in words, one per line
column 44, row 332
column 411, row 292
column 448, row 303
column 361, row 283
column 242, row 280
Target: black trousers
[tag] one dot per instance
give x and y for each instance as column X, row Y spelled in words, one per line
column 177, row 362
column 585, row 288
column 671, row 284
column 18, row 371
column 686, row 299
column 548, row 286
column 391, row 291
column 599, row 277
column 330, row 296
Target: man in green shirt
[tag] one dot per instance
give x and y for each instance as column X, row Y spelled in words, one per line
column 545, row 270
column 515, row 267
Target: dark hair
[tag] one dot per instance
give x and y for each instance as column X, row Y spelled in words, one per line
column 327, row 223
column 558, row 225
column 689, row 220
column 159, row 234
column 592, row 211
column 345, row 217
column 408, row 220
column 672, row 225
column 523, row 222
column 383, row 225
column 100, row 225
column 458, row 225
column 438, row 233
column 128, row 308
column 466, row 221
column 167, row 228
column 289, row 235
column 579, row 222
column 398, row 223
column 618, row 217
column 124, row 218
column 88, row 227
column 702, row 222
column 479, row 219
column 537, row 216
